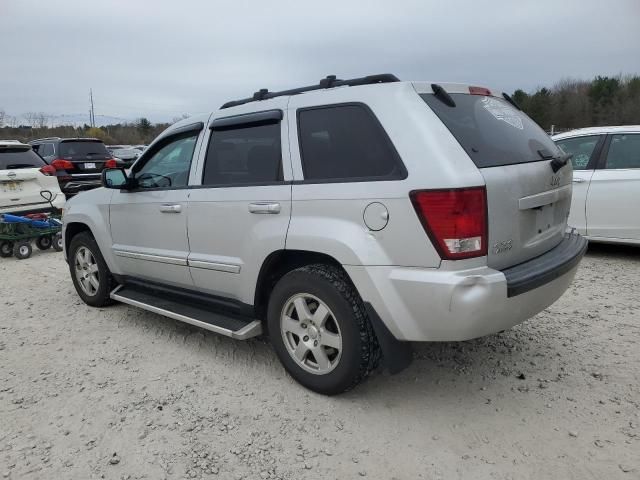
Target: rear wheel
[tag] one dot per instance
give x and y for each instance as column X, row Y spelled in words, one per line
column 6, row 249
column 89, row 272
column 58, row 243
column 44, row 242
column 22, row 249
column 320, row 330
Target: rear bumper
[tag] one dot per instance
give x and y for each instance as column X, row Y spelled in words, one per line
column 43, row 207
column 418, row 304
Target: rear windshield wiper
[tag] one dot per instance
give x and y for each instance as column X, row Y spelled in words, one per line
column 556, row 162
column 442, row 95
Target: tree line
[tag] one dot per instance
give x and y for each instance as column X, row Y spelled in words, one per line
column 140, row 132
column 566, row 105
column 582, row 103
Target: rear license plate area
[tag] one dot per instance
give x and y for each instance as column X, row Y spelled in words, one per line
column 11, row 186
column 89, row 166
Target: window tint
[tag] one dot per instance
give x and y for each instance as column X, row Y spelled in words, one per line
column 169, row 166
column 581, row 148
column 624, row 151
column 345, row 142
column 82, row 148
column 491, row 130
column 244, row 155
column 12, row 159
column 46, row 150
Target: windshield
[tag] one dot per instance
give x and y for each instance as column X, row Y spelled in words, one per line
column 492, row 131
column 12, row 159
column 82, row 148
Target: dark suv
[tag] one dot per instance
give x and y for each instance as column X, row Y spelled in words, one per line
column 78, row 161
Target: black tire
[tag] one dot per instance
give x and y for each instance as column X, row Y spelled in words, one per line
column 44, row 242
column 22, row 249
column 58, row 243
column 106, row 282
column 360, row 350
column 6, row 249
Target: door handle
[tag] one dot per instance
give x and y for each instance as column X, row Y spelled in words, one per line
column 168, row 208
column 578, row 180
column 266, row 207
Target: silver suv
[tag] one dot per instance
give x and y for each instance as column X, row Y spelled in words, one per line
column 345, row 220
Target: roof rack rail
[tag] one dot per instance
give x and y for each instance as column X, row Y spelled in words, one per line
column 46, row 138
column 328, row 82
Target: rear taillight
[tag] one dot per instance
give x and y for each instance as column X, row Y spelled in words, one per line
column 111, row 163
column 60, row 164
column 48, row 170
column 455, row 220
column 479, row 91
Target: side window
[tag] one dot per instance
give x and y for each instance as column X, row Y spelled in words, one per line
column 581, row 148
column 346, row 143
column 46, row 150
column 168, row 167
column 244, row 155
column 624, row 151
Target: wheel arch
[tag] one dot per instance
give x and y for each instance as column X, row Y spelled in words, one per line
column 278, row 264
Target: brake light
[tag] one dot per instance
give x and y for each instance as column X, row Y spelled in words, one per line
column 60, row 164
column 455, row 220
column 479, row 91
column 48, row 170
column 111, row 163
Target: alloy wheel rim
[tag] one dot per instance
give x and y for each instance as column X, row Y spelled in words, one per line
column 86, row 269
column 311, row 333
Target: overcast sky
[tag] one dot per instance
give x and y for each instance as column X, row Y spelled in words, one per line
column 163, row 58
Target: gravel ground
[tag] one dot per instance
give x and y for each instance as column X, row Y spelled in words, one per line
column 120, row 393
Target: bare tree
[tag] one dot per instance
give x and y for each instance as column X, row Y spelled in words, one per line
column 30, row 117
column 42, row 120
column 2, row 117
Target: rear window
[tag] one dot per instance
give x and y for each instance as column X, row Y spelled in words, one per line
column 82, row 148
column 345, row 143
column 13, row 159
column 491, row 130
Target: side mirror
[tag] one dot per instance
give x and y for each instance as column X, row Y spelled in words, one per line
column 115, row 178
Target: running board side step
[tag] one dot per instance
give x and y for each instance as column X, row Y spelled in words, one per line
column 230, row 326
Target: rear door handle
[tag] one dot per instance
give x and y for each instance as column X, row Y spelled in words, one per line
column 579, row 180
column 264, row 207
column 169, row 208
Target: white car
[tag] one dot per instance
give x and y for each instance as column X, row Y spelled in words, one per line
column 606, row 182
column 23, row 176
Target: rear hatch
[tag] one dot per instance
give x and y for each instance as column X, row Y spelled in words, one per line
column 527, row 202
column 87, row 155
column 20, row 178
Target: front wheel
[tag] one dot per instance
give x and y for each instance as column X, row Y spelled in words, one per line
column 320, row 330
column 89, row 271
column 22, row 249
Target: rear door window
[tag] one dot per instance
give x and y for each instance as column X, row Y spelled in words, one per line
column 346, row 143
column 624, row 151
column 244, row 155
column 581, row 148
column 13, row 159
column 491, row 130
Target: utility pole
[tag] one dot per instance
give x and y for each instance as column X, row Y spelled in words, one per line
column 92, row 115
